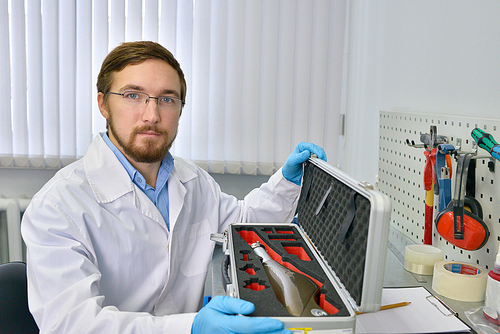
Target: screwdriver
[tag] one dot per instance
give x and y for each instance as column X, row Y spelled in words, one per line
column 486, row 142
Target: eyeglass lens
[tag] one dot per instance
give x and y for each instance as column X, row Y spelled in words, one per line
column 163, row 102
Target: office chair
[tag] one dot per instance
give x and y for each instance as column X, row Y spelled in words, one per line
column 14, row 314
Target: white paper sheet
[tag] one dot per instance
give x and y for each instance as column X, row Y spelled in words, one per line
column 420, row 316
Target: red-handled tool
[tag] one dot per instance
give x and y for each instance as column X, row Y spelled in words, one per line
column 430, row 141
column 430, row 162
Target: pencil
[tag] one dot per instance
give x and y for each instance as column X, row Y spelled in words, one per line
column 389, row 306
column 386, row 307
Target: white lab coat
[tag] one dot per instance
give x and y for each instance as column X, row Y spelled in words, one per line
column 100, row 259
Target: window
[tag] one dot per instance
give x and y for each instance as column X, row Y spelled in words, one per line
column 262, row 76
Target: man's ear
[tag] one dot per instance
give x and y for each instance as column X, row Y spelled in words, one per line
column 102, row 105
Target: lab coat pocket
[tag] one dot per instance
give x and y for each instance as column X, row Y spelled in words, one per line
column 197, row 249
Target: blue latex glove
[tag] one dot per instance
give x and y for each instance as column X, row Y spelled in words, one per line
column 220, row 316
column 292, row 169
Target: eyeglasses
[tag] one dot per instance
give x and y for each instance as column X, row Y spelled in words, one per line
column 138, row 99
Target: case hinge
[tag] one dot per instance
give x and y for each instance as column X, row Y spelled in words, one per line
column 366, row 185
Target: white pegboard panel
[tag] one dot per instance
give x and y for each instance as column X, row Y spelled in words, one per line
column 401, row 177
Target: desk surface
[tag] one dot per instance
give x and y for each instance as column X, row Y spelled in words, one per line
column 395, row 274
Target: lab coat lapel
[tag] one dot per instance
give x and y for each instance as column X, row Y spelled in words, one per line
column 106, row 175
column 109, row 180
column 147, row 208
column 177, row 190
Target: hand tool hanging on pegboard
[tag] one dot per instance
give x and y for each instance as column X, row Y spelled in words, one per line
column 430, row 162
column 430, row 141
column 486, row 142
column 443, row 172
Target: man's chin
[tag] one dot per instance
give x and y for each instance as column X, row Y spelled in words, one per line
column 148, row 156
column 148, row 152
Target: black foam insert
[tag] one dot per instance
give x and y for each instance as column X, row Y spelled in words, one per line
column 346, row 258
column 253, row 283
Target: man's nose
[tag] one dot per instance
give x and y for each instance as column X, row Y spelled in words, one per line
column 151, row 112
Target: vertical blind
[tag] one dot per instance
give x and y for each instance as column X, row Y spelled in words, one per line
column 262, row 76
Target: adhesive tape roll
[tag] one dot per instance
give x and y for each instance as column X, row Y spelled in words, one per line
column 420, row 259
column 460, row 281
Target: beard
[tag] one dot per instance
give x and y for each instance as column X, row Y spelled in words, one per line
column 150, row 151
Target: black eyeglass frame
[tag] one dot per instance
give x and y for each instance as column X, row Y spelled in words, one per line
column 151, row 97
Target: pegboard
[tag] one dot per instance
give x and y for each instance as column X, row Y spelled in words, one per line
column 401, row 169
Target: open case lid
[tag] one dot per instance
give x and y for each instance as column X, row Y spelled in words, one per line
column 348, row 223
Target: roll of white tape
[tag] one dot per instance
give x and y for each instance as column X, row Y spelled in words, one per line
column 420, row 259
column 460, row 281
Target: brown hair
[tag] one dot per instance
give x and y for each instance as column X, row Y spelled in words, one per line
column 133, row 53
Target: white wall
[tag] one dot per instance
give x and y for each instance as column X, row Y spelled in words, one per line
column 239, row 185
column 425, row 56
column 25, row 183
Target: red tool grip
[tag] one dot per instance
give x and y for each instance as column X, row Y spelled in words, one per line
column 428, row 226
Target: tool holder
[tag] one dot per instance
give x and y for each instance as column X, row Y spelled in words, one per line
column 400, row 176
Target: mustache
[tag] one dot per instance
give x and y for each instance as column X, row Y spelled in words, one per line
column 145, row 128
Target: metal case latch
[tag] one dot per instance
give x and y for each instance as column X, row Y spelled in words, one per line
column 220, row 238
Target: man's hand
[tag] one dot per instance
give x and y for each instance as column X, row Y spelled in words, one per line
column 292, row 169
column 221, row 315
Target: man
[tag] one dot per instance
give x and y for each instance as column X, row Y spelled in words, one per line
column 119, row 241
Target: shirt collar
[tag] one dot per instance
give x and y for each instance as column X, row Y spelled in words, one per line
column 166, row 166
